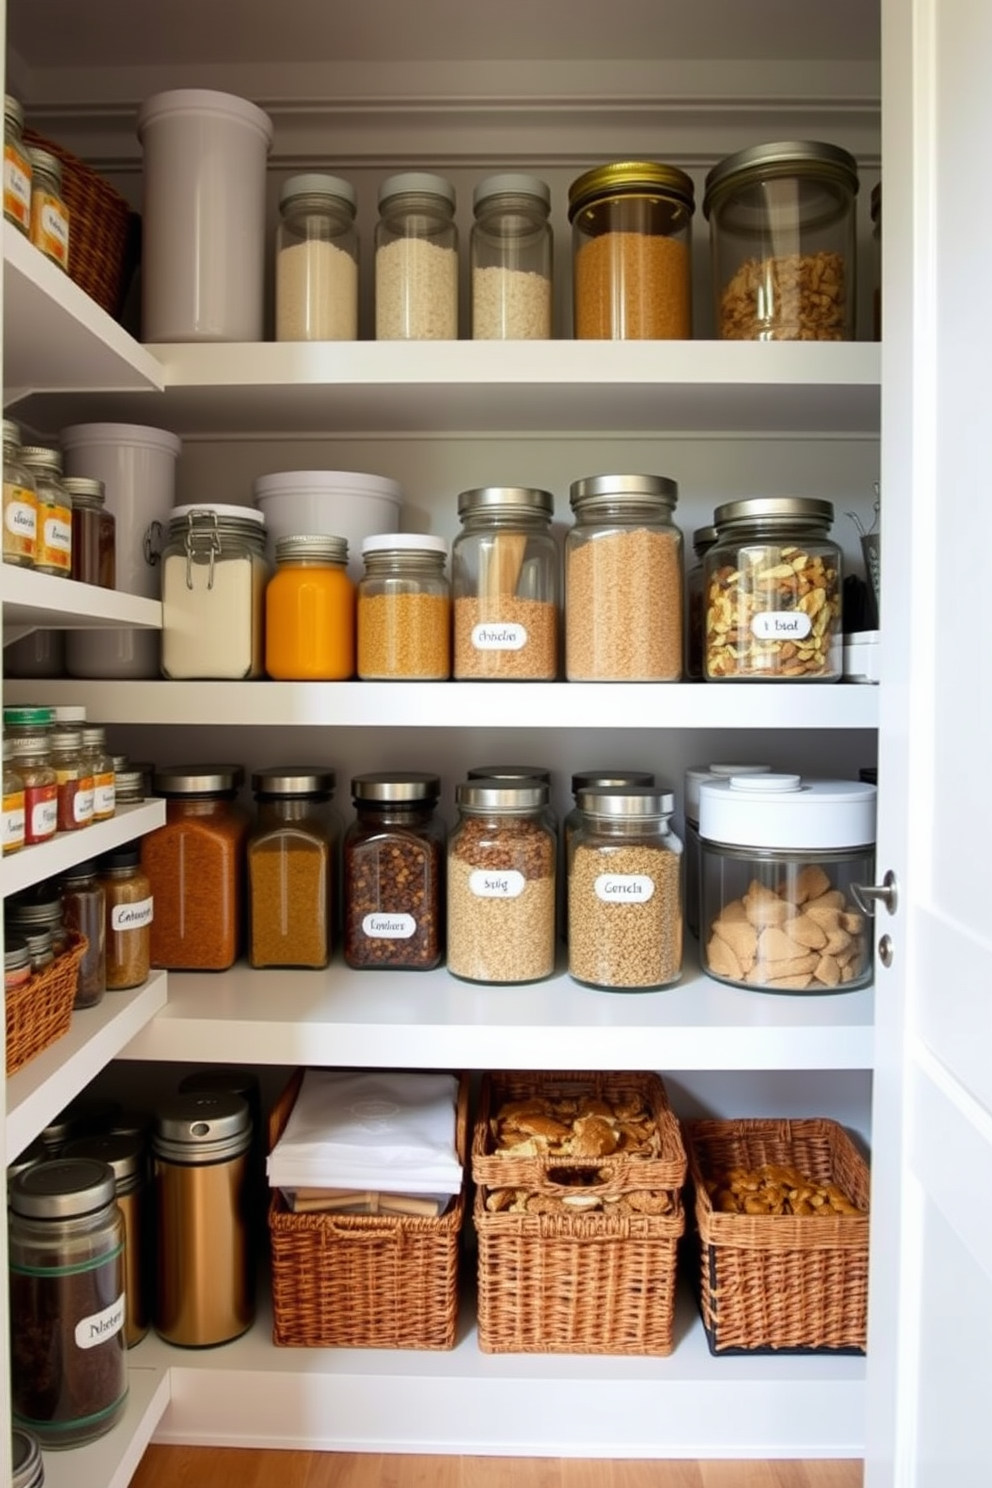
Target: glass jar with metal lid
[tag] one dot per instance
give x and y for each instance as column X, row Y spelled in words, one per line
column 130, row 914
column 84, row 909
column 126, row 1158
column 38, row 908
column 73, row 768
column 316, row 260
column 404, row 609
column 310, row 611
column 66, row 1246
column 214, row 573
column 291, row 873
column 49, row 212
column 782, row 242
column 695, row 610
column 773, row 588
column 504, row 583
column 94, row 532
column 605, row 779
column 13, row 802
column 31, row 758
column 94, row 737
column 393, row 873
column 512, row 250
column 631, row 256
column 623, row 581
column 26, row 1462
column 16, row 167
column 20, row 501
column 416, row 259
column 53, row 552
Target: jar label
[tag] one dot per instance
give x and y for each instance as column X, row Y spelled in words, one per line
column 504, row 637
column 16, row 188
column 505, row 884
column 104, row 796
column 13, row 821
column 97, row 1327
column 781, row 625
column 82, row 804
column 56, row 538
column 20, row 513
column 50, row 227
column 41, row 812
column 132, row 916
column 389, row 927
column 624, row 888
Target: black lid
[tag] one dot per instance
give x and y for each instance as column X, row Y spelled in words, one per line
column 79, row 871
column 126, row 856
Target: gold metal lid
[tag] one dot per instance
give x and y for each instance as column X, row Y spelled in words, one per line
column 630, row 178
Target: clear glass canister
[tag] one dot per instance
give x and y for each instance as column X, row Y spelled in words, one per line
column 195, row 864
column 625, row 890
column 416, row 259
column 512, row 252
column 104, row 778
column 623, row 581
column 74, row 775
column 126, row 1157
column 695, row 777
column 519, row 775
column 214, row 574
column 501, row 884
column 49, row 212
column 604, row 779
column 394, row 873
column 84, row 909
column 773, row 593
column 130, row 914
column 66, row 1245
column 310, row 611
column 291, row 853
column 631, row 253
column 53, row 551
column 13, row 802
column 32, row 761
column 20, row 501
column 695, row 610
column 782, row 242
column 504, row 583
column 94, row 532
column 404, row 609
column 16, row 167
column 782, row 862
column 316, row 260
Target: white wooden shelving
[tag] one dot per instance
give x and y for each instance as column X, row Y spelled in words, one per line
column 48, row 859
column 38, row 601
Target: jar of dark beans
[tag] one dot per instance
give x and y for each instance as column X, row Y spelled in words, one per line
column 393, row 872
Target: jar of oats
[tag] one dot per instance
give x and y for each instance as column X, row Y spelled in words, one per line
column 316, row 260
column 512, row 250
column 416, row 259
column 404, row 609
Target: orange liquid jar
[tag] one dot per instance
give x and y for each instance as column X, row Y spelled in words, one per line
column 310, row 611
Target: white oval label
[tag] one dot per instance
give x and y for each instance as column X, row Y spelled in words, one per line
column 389, row 927
column 132, row 916
column 95, row 1329
column 505, row 637
column 624, row 888
column 21, row 519
column 505, row 883
column 781, row 625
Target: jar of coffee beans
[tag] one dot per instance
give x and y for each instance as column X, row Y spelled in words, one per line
column 393, row 873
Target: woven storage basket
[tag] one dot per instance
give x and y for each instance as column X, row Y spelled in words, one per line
column 40, row 1011
column 781, row 1283
column 364, row 1280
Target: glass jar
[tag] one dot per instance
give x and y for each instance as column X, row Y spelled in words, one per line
column 623, row 581
column 316, row 260
column 501, row 884
column 310, row 611
column 214, row 574
column 104, row 779
column 75, row 779
column 393, row 873
column 512, row 253
column 129, row 917
column 782, row 861
column 66, row 1246
column 625, row 890
column 876, row 245
column 17, row 969
column 695, row 610
column 416, row 259
column 773, row 593
column 695, row 777
column 84, row 910
column 130, row 785
column 38, row 908
column 631, row 256
column 20, row 501
column 782, row 242
column 16, row 167
column 125, row 1157
column 519, row 775
column 504, row 583
column 53, row 552
column 13, row 802
column 32, row 761
column 49, row 212
column 195, row 864
column 404, row 609
column 291, row 867
column 94, row 532
column 40, row 949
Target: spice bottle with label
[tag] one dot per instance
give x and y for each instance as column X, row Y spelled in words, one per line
column 129, row 917
column 291, row 867
column 49, row 212
column 416, row 259
column 125, row 1156
column 104, row 779
column 404, row 609
column 214, row 574
column 316, row 260
column 20, row 501
column 74, row 773
column 53, row 552
column 84, row 910
column 310, row 611
column 13, row 802
column 393, row 873
column 512, row 253
column 94, row 532
column 32, row 760
column 16, row 167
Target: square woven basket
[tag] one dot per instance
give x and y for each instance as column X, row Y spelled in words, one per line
column 364, row 1280
column 781, row 1283
column 40, row 1011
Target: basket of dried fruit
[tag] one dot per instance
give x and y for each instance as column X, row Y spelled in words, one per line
column 781, row 1210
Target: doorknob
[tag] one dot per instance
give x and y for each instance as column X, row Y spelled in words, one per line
column 866, row 896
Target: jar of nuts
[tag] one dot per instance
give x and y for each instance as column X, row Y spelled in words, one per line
column 773, row 593
column 393, row 873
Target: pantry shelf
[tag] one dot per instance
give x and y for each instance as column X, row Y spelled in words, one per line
column 110, row 1461
column 38, row 601
column 48, row 859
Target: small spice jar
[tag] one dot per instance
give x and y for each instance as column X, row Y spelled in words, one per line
column 504, row 583
column 625, row 890
column 130, row 785
column 512, row 253
column 310, row 611
column 84, row 910
column 782, row 861
column 773, row 593
column 623, row 581
column 13, row 802
column 195, row 864
column 129, row 917
column 631, row 258
column 40, row 949
column 501, row 883
column 316, row 260
column 695, row 607
column 782, row 242
column 16, row 167
column 214, row 574
column 695, row 776
column 73, row 768
column 94, row 532
column 26, row 1462
column 49, row 212
column 126, row 1158
column 404, row 609
column 416, row 259
column 393, row 873
column 20, row 501
column 31, row 758
column 53, row 552
column 104, row 779
column 66, row 1250
column 37, row 909
column 291, row 867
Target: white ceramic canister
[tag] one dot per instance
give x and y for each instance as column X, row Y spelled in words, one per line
column 203, row 216
column 338, row 503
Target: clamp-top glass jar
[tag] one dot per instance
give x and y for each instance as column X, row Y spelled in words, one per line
column 512, row 250
column 416, row 259
column 316, row 260
column 394, row 873
column 404, row 608
column 214, row 573
column 16, row 167
column 291, row 867
column 773, row 593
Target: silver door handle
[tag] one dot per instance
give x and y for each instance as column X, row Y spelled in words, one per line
column 867, row 896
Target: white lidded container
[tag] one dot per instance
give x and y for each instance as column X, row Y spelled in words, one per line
column 694, row 778
column 203, row 216
column 340, row 503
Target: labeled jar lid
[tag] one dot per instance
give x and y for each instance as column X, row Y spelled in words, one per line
column 787, row 813
column 783, row 158
column 124, row 1155
column 629, row 178
column 26, row 1461
column 202, row 1127
column 497, row 795
column 416, row 183
column 62, row 1188
column 755, row 511
column 403, row 542
column 322, row 546
column 197, row 780
column 510, row 183
column 523, row 501
column 396, row 787
column 602, row 491
column 589, row 779
column 84, row 490
column 313, row 183
column 293, row 780
column 697, row 774
column 625, row 801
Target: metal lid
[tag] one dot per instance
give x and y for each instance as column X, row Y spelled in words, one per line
column 495, row 795
column 526, row 501
column 63, row 1188
column 787, row 813
column 511, row 183
column 313, row 183
column 396, row 786
column 94, row 736
column 404, row 542
column 129, row 781
column 202, row 1127
column 509, row 772
column 79, row 871
column 626, row 800
column 15, row 952
column 124, row 1155
column 421, row 183
column 293, row 780
column 27, row 744
column 82, row 1117
column 185, row 516
column 197, row 780
column 26, row 1461
column 34, row 1152
column 13, row 109
column 588, row 779
column 84, row 490
column 313, row 545
column 127, row 856
column 42, row 457
column 38, row 940
column 40, row 902
column 45, row 162
column 11, row 432
column 28, row 717
column 758, row 509
column 64, row 741
column 630, row 178
column 594, row 490
column 702, row 539
column 783, row 158
column 225, row 1077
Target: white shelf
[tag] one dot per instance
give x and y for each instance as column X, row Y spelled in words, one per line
column 110, row 1462
column 38, row 601
column 48, row 859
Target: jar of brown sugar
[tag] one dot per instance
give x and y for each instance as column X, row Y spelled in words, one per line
column 130, row 916
column 291, row 867
column 393, row 873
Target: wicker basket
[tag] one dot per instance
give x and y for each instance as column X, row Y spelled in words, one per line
column 40, row 1011
column 781, row 1283
column 364, row 1280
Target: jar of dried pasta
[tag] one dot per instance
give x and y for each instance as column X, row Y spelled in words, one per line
column 404, row 608
column 393, row 873
column 291, row 867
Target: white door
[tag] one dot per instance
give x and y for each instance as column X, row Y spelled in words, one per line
column 930, row 1337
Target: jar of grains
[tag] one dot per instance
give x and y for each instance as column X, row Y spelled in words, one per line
column 126, row 1157
column 310, row 611
column 13, row 802
column 316, row 260
column 695, row 610
column 773, row 593
column 130, row 916
column 625, row 890
column 104, row 778
column 94, row 532
column 631, row 260
column 587, row 780
column 512, row 252
column 404, row 608
column 73, row 768
column 694, row 778
column 16, row 167
column 49, row 212
column 291, row 867
column 53, row 551
column 501, row 883
column 416, row 259
column 84, row 909
column 195, row 864
column 515, row 775
column 20, row 501
column 214, row 573
column 782, row 242
column 623, row 581
column 394, row 873
column 504, row 582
